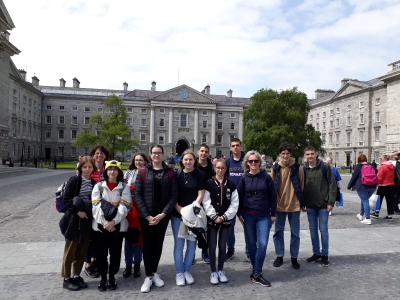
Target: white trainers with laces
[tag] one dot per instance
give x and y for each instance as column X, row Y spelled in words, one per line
column 360, row 217
column 148, row 282
column 158, row 282
column 180, row 279
column 222, row 277
column 214, row 278
column 188, row 277
column 366, row 221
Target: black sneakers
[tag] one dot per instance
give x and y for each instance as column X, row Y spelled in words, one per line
column 112, row 284
column 375, row 215
column 278, row 262
column 260, row 280
column 127, row 271
column 136, row 270
column 229, row 255
column 324, row 261
column 388, row 218
column 102, row 287
column 79, row 280
column 295, row 264
column 91, row 272
column 71, row 284
column 314, row 258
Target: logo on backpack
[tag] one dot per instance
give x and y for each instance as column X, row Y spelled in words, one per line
column 368, row 175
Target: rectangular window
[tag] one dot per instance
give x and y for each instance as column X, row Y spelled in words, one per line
column 338, row 110
column 48, row 119
column 61, row 133
column 231, row 137
column 99, row 109
column 377, row 101
column 377, row 116
column 73, row 152
column 129, row 110
column 317, row 127
column 361, row 118
column 162, row 110
column 349, row 107
column 348, row 137
column 331, row 124
column 337, row 139
column 143, row 122
column 318, row 116
column 204, row 138
column 219, row 125
column 348, row 121
column 205, row 113
column 376, row 156
column 62, row 107
column 24, row 99
column 129, row 121
column 361, row 136
column 73, row 134
column 324, row 114
column 61, row 120
column 361, row 104
column 30, row 101
column 87, row 109
column 162, row 123
column 183, row 122
column 15, row 93
column 23, row 113
column 232, row 125
column 161, row 138
column 219, row 138
column 330, row 139
column 219, row 115
column 331, row 112
column 323, row 126
column 219, row 153
column 142, row 137
column 60, row 151
column 87, row 121
column 74, row 120
column 48, row 107
column 74, row 108
column 337, row 123
column 29, row 114
column 311, row 117
column 377, row 133
column 204, row 123
column 47, row 133
column 34, row 103
column 144, row 111
column 336, row 157
column 233, row 115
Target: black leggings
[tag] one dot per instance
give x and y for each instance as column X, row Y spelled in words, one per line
column 108, row 242
column 212, row 233
column 153, row 240
column 388, row 193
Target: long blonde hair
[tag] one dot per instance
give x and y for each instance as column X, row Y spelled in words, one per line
column 245, row 166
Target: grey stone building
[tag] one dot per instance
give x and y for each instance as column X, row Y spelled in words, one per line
column 362, row 117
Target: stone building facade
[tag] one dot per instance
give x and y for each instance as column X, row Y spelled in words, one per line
column 362, row 117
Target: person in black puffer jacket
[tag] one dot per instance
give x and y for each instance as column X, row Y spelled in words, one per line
column 75, row 224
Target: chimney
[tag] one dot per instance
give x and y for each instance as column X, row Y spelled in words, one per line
column 62, row 82
column 153, row 85
column 35, row 81
column 207, row 90
column 344, row 81
column 229, row 93
column 22, row 72
column 75, row 82
column 125, row 86
column 322, row 93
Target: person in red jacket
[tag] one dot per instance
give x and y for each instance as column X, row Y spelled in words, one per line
column 386, row 186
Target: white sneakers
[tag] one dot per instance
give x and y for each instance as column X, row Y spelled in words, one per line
column 215, row 277
column 360, row 217
column 188, row 277
column 366, row 221
column 148, row 282
column 180, row 279
column 158, row 282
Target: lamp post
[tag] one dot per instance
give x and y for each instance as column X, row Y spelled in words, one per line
column 193, row 141
column 22, row 152
column 62, row 154
column 355, row 157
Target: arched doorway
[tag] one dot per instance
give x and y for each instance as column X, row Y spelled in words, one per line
column 181, row 146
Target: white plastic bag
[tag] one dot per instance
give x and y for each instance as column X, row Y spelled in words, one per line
column 372, row 201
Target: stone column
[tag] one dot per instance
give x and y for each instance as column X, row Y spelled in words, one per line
column 240, row 134
column 170, row 125
column 213, row 128
column 196, row 126
column 152, row 125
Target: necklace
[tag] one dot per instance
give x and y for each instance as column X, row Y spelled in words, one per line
column 187, row 177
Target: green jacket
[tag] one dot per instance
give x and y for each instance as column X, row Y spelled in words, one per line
column 319, row 192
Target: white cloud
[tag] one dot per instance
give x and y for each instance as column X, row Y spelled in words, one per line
column 242, row 45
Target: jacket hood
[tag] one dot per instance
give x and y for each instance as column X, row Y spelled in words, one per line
column 318, row 162
column 292, row 161
column 247, row 174
column 242, row 154
column 388, row 164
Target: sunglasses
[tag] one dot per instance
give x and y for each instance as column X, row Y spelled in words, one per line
column 253, row 161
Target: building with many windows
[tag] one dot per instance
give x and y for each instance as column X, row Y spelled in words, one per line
column 362, row 117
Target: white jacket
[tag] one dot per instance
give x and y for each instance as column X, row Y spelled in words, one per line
column 119, row 196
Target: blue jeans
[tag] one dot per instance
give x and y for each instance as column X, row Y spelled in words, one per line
column 231, row 238
column 318, row 218
column 256, row 230
column 294, row 221
column 364, row 195
column 133, row 254
column 182, row 264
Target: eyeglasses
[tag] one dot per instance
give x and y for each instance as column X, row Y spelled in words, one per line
column 139, row 160
column 253, row 161
column 157, row 153
column 220, row 168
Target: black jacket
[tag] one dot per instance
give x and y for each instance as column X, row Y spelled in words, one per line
column 71, row 225
column 143, row 192
column 208, row 170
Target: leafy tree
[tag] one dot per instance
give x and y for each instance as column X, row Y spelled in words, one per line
column 108, row 129
column 275, row 117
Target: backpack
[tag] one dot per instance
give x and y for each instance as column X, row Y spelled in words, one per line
column 323, row 170
column 59, row 201
column 368, row 175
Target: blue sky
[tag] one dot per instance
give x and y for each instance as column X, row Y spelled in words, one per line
column 228, row 44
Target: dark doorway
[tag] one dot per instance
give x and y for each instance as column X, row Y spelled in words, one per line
column 348, row 161
column 181, row 146
column 47, row 152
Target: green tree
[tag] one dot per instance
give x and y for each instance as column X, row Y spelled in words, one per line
column 275, row 117
column 109, row 129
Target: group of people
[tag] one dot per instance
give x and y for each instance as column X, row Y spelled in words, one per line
column 202, row 200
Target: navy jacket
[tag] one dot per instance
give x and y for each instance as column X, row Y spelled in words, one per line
column 355, row 181
column 257, row 194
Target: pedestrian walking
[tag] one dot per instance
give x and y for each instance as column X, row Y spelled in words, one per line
column 220, row 203
column 155, row 194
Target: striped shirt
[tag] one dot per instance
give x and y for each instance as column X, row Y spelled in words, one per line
column 86, row 189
